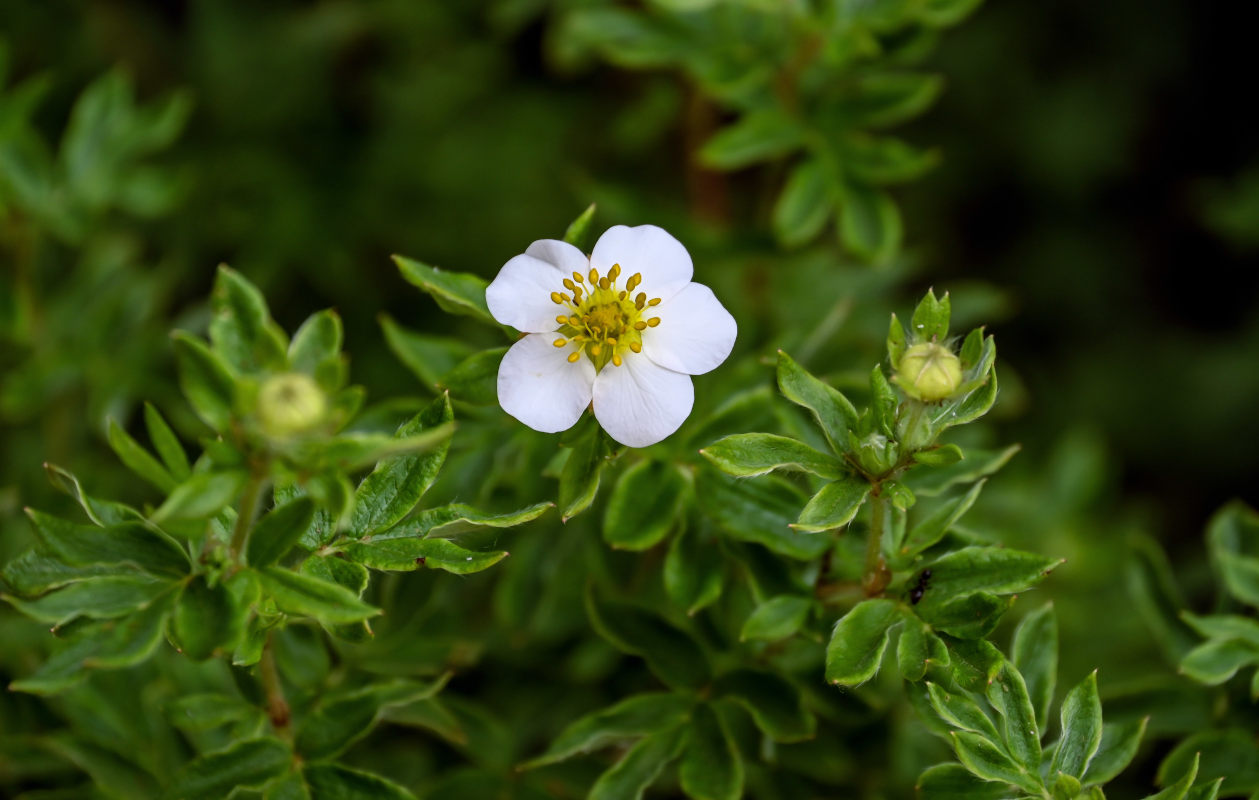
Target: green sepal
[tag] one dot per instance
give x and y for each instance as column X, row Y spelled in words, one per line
column 317, row 342
column 883, row 401
column 242, row 330
column 931, row 318
column 896, row 344
column 578, row 231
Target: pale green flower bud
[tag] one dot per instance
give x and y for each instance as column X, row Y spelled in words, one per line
column 290, row 404
column 929, row 372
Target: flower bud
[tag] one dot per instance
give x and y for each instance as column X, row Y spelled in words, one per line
column 290, row 403
column 929, row 372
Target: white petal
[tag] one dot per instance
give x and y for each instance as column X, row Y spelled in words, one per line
column 695, row 333
column 640, row 402
column 520, row 295
column 663, row 261
column 566, row 258
column 538, row 386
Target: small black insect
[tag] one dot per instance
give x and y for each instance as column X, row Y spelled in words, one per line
column 915, row 594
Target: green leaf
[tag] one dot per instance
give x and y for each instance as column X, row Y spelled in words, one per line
column 884, row 401
column 100, row 512
column 128, row 543
column 858, row 641
column 1008, row 694
column 1206, row 791
column 759, row 511
column 711, row 767
column 929, row 481
column 394, row 488
column 475, row 379
column 241, row 329
column 579, row 229
column 1233, row 539
column 644, row 505
column 455, row 292
column 1231, row 753
column 456, row 518
column 1081, row 729
column 337, row 570
column 943, row 13
column 339, row 720
column 962, row 712
column 307, row 596
column 336, row 782
column 204, row 494
column 206, row 620
column 941, row 456
column 927, row 532
column 916, row 649
column 987, row 760
column 410, row 553
column 579, row 480
column 167, row 444
column 693, row 571
column 804, row 205
column 635, row 716
column 1034, row 651
column 248, row 763
column 1215, row 661
column 974, row 662
column 870, row 224
column 757, row 136
column 35, row 572
column 776, row 705
column 288, row 787
column 626, row 38
column 111, row 644
column 995, row 570
column 630, row 777
column 138, row 460
column 884, row 99
column 955, row 782
column 1224, row 626
column 1180, row 788
column 834, row 506
column 777, row 618
column 316, row 342
column 746, row 455
column 429, row 357
column 278, row 530
column 1158, row 601
column 206, row 381
column 881, row 160
column 1120, row 741
column 96, row 598
column 671, row 654
column 206, row 711
column 834, row 413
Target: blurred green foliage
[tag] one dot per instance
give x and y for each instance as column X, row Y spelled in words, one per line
column 1098, row 225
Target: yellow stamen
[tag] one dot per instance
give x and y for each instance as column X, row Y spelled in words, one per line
column 640, row 326
column 561, row 319
column 655, row 301
column 603, row 283
column 573, row 356
column 594, row 275
column 634, row 280
column 637, row 347
column 595, row 349
column 615, row 271
column 653, row 322
column 569, row 285
column 556, row 297
column 560, row 342
column 577, row 277
column 612, row 341
column 616, row 360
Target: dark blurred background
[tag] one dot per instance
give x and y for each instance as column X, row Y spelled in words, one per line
column 1098, row 185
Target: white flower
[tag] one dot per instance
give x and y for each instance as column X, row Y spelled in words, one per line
column 624, row 328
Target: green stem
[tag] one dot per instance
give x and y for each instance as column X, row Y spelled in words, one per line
column 875, row 576
column 269, row 675
column 245, row 514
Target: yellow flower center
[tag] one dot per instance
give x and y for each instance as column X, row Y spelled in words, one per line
column 603, row 320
